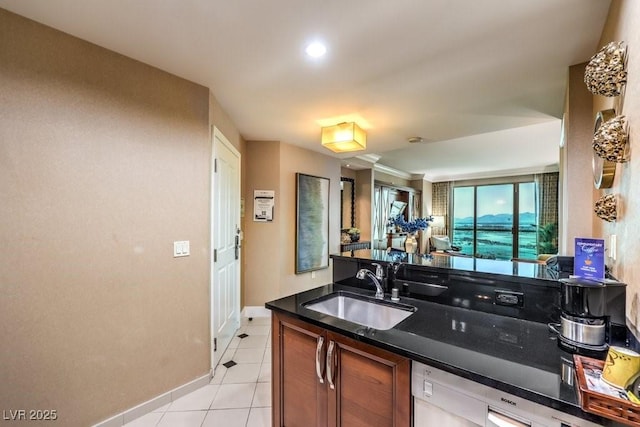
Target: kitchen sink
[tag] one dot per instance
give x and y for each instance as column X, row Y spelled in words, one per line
column 361, row 309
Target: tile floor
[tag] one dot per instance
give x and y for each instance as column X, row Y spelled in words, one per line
column 239, row 396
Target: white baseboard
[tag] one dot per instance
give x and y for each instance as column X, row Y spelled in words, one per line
column 255, row 311
column 157, row 402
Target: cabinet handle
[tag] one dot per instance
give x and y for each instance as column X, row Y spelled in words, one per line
column 330, row 365
column 318, row 364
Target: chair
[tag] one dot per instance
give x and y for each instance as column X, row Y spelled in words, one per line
column 442, row 244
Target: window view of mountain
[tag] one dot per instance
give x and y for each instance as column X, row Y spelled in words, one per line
column 525, row 218
column 494, row 238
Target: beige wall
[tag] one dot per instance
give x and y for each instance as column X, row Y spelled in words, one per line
column 577, row 177
column 391, row 179
column 220, row 119
column 270, row 247
column 295, row 159
column 364, row 203
column 104, row 162
column 622, row 25
column 261, row 255
column 348, row 173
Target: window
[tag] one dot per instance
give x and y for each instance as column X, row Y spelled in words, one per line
column 496, row 221
column 464, row 219
column 527, row 224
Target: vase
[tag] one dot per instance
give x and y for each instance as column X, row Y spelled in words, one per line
column 410, row 244
column 355, row 237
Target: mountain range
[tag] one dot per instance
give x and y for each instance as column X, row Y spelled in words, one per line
column 524, row 219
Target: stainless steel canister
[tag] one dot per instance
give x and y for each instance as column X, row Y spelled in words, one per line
column 581, row 330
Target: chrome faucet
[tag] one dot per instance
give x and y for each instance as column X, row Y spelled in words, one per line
column 375, row 278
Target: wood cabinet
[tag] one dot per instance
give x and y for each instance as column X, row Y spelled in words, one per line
column 320, row 378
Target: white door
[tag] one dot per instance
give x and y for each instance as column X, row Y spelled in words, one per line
column 225, row 245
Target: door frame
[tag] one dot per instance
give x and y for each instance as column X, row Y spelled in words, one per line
column 217, row 135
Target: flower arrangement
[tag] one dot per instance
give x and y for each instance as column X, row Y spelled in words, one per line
column 353, row 234
column 412, row 226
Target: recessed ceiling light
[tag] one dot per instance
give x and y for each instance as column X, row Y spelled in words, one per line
column 316, row 49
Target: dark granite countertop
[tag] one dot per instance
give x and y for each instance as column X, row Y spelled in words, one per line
column 517, row 356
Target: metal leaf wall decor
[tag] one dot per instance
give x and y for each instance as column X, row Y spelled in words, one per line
column 610, row 140
column 606, row 208
column 605, row 74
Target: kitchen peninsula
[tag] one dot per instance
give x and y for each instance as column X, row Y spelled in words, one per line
column 483, row 321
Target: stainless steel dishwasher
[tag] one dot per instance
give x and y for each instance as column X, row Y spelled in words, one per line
column 441, row 398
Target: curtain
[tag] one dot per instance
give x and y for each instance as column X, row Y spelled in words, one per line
column 547, row 185
column 441, row 199
column 547, row 192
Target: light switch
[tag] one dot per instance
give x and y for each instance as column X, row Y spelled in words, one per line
column 181, row 248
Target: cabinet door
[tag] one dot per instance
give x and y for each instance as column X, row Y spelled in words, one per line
column 371, row 386
column 299, row 398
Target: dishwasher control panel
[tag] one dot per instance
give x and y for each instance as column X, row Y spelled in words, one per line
column 438, row 394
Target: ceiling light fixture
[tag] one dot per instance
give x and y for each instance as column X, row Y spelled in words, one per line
column 344, row 137
column 416, row 139
column 316, row 49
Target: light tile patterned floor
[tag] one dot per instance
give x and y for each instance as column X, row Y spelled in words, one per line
column 239, row 396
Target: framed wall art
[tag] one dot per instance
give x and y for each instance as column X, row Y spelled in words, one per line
column 312, row 223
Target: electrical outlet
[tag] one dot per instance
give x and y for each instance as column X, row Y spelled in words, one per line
column 613, row 240
column 313, row 274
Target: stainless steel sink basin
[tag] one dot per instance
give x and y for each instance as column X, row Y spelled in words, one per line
column 363, row 310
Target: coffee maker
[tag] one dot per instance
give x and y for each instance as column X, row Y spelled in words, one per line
column 592, row 315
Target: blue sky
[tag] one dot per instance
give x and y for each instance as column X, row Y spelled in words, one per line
column 493, row 199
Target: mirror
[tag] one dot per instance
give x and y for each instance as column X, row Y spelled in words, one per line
column 347, row 202
column 397, row 208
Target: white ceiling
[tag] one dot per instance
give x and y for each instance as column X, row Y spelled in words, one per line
column 482, row 81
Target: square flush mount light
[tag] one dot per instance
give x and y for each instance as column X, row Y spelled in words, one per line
column 344, row 137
